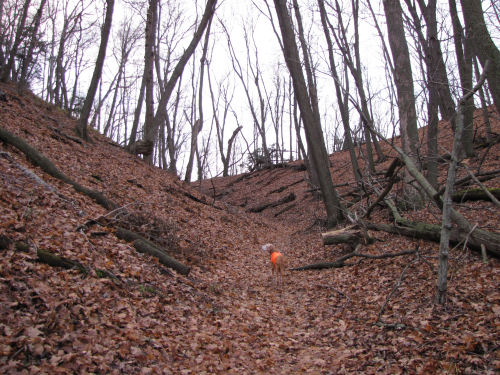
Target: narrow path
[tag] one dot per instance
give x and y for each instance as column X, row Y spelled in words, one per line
column 277, row 329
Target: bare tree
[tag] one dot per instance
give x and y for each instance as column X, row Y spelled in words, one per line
column 448, row 214
column 463, row 51
column 81, row 127
column 33, row 42
column 9, row 66
column 342, row 92
column 221, row 121
column 127, row 39
column 259, row 112
column 161, row 111
column 353, row 61
column 403, row 78
column 312, row 124
column 151, row 22
column 483, row 46
column 198, row 124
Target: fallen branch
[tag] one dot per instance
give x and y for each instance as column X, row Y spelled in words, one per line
column 396, row 286
column 340, row 261
column 289, row 207
column 432, row 232
column 382, row 195
column 284, row 187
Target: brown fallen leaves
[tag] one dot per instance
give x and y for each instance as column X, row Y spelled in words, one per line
column 227, row 317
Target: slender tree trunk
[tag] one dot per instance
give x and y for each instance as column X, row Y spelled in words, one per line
column 405, row 93
column 179, row 68
column 432, row 134
column 483, row 46
column 28, row 59
column 81, row 127
column 342, row 94
column 484, row 106
column 447, row 207
column 148, row 75
column 312, row 126
column 137, row 114
column 463, row 51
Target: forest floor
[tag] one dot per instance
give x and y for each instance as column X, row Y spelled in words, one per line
column 129, row 314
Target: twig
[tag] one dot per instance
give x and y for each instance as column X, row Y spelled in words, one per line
column 486, row 191
column 396, row 286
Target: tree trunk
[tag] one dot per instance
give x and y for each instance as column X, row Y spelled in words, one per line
column 81, row 127
column 148, row 74
column 404, row 86
column 483, row 46
column 137, row 114
column 442, row 284
column 463, row 51
column 23, row 79
column 403, row 77
column 17, row 42
column 312, row 125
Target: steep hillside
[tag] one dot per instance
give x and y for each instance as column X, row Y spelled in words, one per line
column 128, row 313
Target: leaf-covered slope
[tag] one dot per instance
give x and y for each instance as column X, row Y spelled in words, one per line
column 131, row 315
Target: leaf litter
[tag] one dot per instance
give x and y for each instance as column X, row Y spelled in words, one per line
column 226, row 316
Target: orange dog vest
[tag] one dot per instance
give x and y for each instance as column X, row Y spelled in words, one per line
column 274, row 256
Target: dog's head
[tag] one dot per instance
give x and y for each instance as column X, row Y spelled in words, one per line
column 269, row 247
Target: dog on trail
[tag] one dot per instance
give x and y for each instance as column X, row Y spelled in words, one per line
column 278, row 262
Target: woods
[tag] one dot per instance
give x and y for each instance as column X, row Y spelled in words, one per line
column 149, row 147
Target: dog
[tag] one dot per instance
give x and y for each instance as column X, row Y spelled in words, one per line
column 278, row 262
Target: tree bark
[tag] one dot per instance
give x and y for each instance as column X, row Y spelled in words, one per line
column 463, row 51
column 148, row 75
column 403, row 78
column 349, row 235
column 26, row 65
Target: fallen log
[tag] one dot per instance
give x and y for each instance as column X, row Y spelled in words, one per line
column 287, row 208
column 47, row 166
column 477, row 236
column 350, row 235
column 432, row 232
column 48, row 257
column 289, row 198
column 284, row 187
column 475, row 195
column 143, row 245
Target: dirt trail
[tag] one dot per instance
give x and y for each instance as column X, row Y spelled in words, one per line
column 275, row 329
